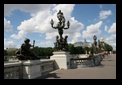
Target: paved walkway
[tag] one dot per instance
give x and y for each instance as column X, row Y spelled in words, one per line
column 107, row 70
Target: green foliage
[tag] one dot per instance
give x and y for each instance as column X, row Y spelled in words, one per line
column 11, row 52
column 43, row 52
column 48, row 51
column 79, row 50
column 5, row 52
column 71, row 48
column 36, row 50
column 108, row 47
column 75, row 50
column 40, row 51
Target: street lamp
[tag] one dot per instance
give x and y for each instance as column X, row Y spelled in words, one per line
column 95, row 38
column 60, row 26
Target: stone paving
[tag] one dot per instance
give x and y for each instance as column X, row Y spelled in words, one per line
column 107, row 70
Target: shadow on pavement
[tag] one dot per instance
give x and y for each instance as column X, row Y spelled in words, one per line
column 51, row 75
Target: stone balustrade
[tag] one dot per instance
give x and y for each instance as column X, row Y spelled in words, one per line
column 47, row 66
column 12, row 70
column 85, row 61
column 30, row 69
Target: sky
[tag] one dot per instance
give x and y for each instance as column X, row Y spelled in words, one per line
column 33, row 21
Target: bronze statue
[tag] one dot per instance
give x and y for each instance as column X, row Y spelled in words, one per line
column 65, row 44
column 25, row 53
column 60, row 26
column 57, row 43
column 61, row 44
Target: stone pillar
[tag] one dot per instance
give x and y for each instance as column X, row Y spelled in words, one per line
column 31, row 69
column 62, row 59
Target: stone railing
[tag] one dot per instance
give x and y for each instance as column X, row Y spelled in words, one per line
column 47, row 66
column 30, row 69
column 12, row 70
column 86, row 61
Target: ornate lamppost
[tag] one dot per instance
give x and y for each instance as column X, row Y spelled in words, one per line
column 60, row 26
column 95, row 38
column 95, row 43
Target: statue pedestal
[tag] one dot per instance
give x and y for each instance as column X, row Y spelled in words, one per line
column 62, row 59
column 31, row 69
column 98, row 59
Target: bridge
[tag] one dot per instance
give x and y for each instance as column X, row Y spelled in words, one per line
column 46, row 68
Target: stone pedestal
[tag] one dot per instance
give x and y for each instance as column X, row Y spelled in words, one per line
column 31, row 69
column 98, row 59
column 62, row 59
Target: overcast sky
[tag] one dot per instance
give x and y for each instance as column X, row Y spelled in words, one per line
column 33, row 21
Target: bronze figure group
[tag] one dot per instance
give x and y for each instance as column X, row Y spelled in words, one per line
column 25, row 53
column 61, row 44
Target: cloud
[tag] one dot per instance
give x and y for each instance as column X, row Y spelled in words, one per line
column 74, row 31
column 9, row 43
column 31, row 8
column 46, row 43
column 112, row 28
column 92, row 30
column 8, row 8
column 75, row 37
column 65, row 8
column 51, row 35
column 111, row 40
column 106, row 28
column 113, row 36
column 40, row 22
column 20, row 35
column 7, row 25
column 104, row 14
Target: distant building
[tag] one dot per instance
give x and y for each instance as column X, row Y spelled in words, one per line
column 83, row 44
column 11, row 49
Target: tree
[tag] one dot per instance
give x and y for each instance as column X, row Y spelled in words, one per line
column 43, row 52
column 75, row 50
column 79, row 50
column 108, row 47
column 5, row 55
column 71, row 48
column 36, row 49
column 5, row 52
